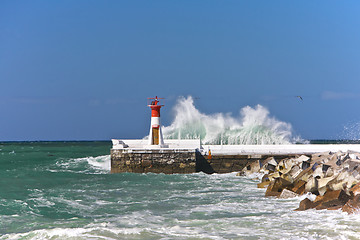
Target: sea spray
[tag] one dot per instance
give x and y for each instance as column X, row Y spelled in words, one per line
column 253, row 126
column 351, row 131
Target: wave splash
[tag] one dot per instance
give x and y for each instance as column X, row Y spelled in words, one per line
column 351, row 131
column 90, row 165
column 253, row 126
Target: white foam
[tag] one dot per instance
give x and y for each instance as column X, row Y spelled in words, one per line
column 256, row 175
column 64, row 233
column 309, row 196
column 101, row 164
column 253, row 126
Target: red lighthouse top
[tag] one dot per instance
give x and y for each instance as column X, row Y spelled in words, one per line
column 155, row 106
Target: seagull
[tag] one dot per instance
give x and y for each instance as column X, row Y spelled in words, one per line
column 300, row 97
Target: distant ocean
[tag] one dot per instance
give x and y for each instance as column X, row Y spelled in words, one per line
column 63, row 190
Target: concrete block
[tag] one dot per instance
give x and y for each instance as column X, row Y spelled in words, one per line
column 354, row 156
column 302, row 158
column 329, row 172
column 352, row 206
column 332, row 199
column 337, row 185
column 305, row 205
column 299, row 187
column 355, row 190
column 287, row 194
column 351, row 181
column 304, row 175
column 277, row 186
column 273, row 176
column 305, row 165
column 318, row 172
column 272, row 162
column 321, row 155
column 310, row 185
column 323, row 182
column 352, row 164
column 322, row 190
column 356, row 174
column 272, row 194
column 263, row 184
column 287, row 177
column 265, row 178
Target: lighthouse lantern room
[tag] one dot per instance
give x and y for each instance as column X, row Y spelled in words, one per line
column 155, row 135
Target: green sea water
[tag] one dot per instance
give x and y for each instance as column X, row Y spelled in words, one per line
column 64, row 190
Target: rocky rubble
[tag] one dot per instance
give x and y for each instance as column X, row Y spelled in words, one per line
column 334, row 178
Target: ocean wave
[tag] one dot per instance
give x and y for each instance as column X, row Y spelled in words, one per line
column 91, row 165
column 223, row 222
column 159, row 206
column 75, row 233
column 252, row 126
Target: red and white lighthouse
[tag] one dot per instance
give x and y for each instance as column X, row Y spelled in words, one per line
column 155, row 136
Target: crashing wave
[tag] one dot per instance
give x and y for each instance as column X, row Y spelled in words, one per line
column 253, row 126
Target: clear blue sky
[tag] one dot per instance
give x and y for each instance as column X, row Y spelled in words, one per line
column 82, row 70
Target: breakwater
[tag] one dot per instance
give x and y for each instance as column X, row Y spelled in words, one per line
column 331, row 180
column 131, row 156
column 180, row 161
column 171, row 161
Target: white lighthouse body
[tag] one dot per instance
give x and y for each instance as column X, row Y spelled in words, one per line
column 155, row 126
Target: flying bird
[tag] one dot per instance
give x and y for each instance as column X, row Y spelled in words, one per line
column 299, row 97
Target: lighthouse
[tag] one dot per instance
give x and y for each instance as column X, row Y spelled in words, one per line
column 155, row 136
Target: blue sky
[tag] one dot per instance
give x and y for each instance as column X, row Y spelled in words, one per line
column 82, row 70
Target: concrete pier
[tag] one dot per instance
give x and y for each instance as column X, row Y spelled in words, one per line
column 189, row 156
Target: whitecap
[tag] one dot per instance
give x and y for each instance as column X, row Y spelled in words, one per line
column 92, row 165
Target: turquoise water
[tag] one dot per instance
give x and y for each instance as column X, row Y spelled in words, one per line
column 63, row 190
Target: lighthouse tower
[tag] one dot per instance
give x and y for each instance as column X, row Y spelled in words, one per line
column 155, row 136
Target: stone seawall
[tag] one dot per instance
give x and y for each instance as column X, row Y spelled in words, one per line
column 171, row 161
column 154, row 160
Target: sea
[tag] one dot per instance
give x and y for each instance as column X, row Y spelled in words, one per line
column 64, row 190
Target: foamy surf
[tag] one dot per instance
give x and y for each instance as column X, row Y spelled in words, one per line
column 99, row 232
column 74, row 201
column 219, row 221
column 193, row 206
